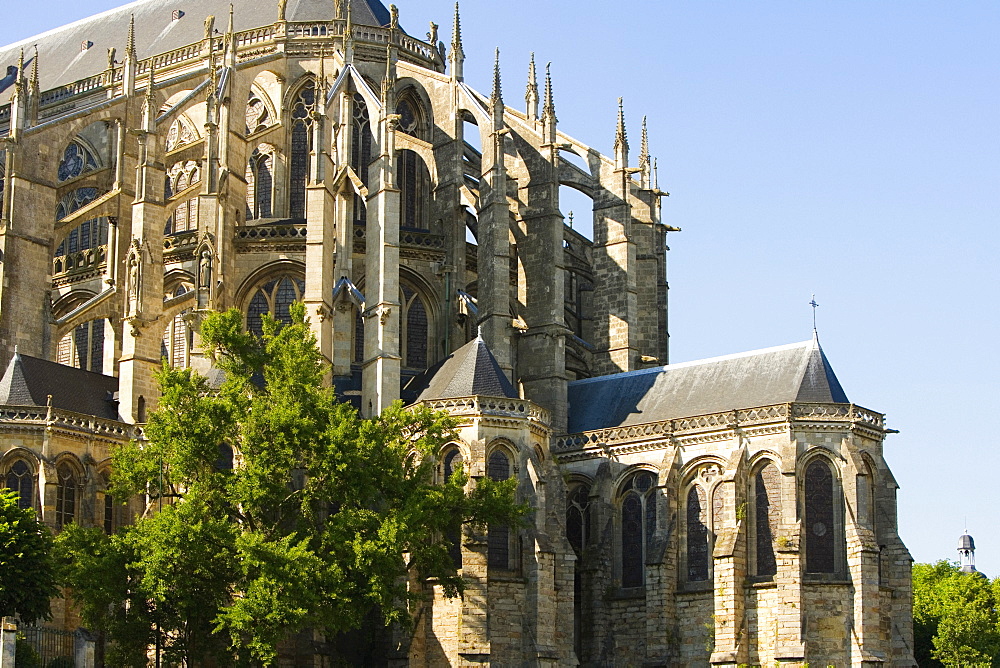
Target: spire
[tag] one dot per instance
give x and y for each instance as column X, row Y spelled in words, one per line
column 531, row 94
column 496, row 96
column 644, row 175
column 457, row 55
column 130, row 41
column 621, row 139
column 34, row 71
column 549, row 108
column 349, row 37
column 20, row 71
column 150, row 121
column 389, row 80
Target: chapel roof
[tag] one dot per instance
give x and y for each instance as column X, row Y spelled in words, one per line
column 799, row 372
column 62, row 58
column 469, row 371
column 28, row 381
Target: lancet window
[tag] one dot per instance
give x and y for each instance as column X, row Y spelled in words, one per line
column 185, row 217
column 21, row 479
column 3, row 173
column 697, row 536
column 578, row 517
column 577, row 298
column 638, row 525
column 83, row 348
column 177, row 338
column 260, row 183
column 115, row 512
column 411, row 174
column 498, row 468
column 766, row 519
column 820, row 518
column 361, row 151
column 304, row 105
column 67, row 491
column 414, row 329
column 274, row 297
column 77, row 159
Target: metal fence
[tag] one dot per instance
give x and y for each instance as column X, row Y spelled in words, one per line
column 55, row 647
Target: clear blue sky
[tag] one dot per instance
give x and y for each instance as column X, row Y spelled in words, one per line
column 848, row 149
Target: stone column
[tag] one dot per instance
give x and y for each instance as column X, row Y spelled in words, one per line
column 380, row 379
column 789, row 640
column 729, row 575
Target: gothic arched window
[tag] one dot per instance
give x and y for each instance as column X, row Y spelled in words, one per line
column 359, row 337
column 67, row 490
column 305, row 103
column 180, row 133
column 258, row 116
column 638, row 525
column 77, row 159
column 3, row 173
column 274, row 297
column 21, row 479
column 179, row 178
column 83, row 348
column 578, row 517
column 260, row 184
column 414, row 329
column 361, row 151
column 820, row 518
column 767, row 518
column 177, row 338
column 498, row 541
column 114, row 512
column 697, row 535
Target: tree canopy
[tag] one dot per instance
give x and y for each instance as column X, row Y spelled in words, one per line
column 28, row 579
column 274, row 508
column 955, row 616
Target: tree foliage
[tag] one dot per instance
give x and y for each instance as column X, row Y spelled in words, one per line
column 274, row 508
column 27, row 567
column 955, row 616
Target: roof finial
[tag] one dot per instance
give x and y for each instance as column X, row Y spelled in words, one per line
column 621, row 137
column 656, row 175
column 20, row 68
column 34, row 70
column 644, row 146
column 130, row 42
column 229, row 28
column 550, row 106
column 812, row 302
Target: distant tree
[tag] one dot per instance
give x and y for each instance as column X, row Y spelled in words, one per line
column 274, row 508
column 27, row 566
column 955, row 617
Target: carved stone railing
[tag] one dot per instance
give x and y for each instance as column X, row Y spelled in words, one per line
column 271, row 232
column 408, row 238
column 88, row 260
column 43, row 416
column 255, row 36
column 493, row 406
column 180, row 243
column 750, row 417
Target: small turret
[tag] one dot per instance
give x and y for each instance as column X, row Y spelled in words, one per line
column 967, row 553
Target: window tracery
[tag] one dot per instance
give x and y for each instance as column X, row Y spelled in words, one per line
column 411, row 173
column 414, row 329
column 260, row 183
column 258, row 116
column 67, row 490
column 638, row 525
column 302, row 109
column 179, row 134
column 77, row 160
column 361, row 151
column 3, row 173
column 578, row 517
column 21, row 479
column 820, row 518
column 767, row 518
column 498, row 539
column 177, row 337
column 274, row 297
column 697, row 535
column 83, row 348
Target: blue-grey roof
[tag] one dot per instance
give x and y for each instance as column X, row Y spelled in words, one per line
column 62, row 59
column 796, row 372
column 469, row 371
column 28, row 381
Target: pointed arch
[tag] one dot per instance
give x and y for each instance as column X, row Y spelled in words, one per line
column 303, row 103
column 765, row 496
column 820, row 517
column 636, row 503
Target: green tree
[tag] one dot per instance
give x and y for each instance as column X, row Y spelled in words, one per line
column 955, row 617
column 323, row 518
column 28, row 579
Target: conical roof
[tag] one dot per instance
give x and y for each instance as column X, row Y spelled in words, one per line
column 799, row 372
column 469, row 371
column 28, row 381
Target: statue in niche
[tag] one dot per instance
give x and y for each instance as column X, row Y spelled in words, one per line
column 205, row 269
column 134, row 281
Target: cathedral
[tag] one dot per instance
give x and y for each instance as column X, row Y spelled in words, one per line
column 166, row 159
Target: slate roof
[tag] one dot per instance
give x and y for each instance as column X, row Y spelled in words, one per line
column 796, row 372
column 471, row 370
column 28, row 381
column 62, row 60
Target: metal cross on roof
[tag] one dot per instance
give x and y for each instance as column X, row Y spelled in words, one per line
column 812, row 302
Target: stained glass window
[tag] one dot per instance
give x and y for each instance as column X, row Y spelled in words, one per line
column 414, row 329
column 578, row 517
column 359, row 337
column 498, row 541
column 274, row 297
column 3, row 172
column 767, row 515
column 697, row 535
column 638, row 526
column 21, row 480
column 66, row 492
column 305, row 103
column 77, row 159
column 83, row 348
column 361, row 152
column 820, row 520
column 260, row 184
